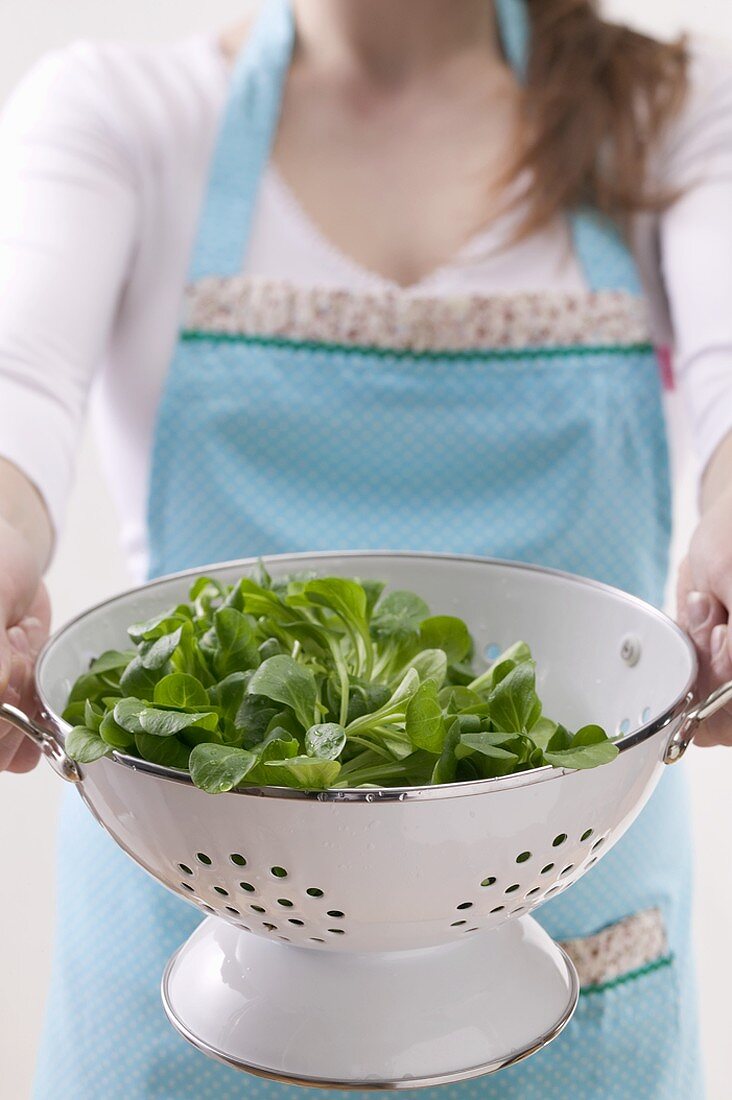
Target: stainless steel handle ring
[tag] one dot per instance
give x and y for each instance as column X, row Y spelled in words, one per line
column 46, row 740
column 684, row 735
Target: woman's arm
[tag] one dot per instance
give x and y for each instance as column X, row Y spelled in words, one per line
column 696, row 258
column 704, row 589
column 22, row 509
column 67, row 223
column 25, row 547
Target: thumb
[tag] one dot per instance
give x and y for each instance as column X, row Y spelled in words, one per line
column 5, row 659
column 6, row 656
column 684, row 587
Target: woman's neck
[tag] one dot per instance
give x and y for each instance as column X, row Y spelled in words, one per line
column 386, row 41
column 392, row 40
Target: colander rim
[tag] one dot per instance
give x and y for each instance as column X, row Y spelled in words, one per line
column 381, row 794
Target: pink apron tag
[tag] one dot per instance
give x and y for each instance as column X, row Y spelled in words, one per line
column 666, row 367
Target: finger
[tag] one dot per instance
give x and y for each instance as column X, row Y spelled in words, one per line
column 703, row 613
column 9, row 746
column 717, row 729
column 11, row 738
column 40, row 609
column 19, row 641
column 35, row 633
column 684, row 585
column 26, row 758
column 5, row 659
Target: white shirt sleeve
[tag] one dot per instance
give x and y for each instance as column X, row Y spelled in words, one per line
column 67, row 228
column 696, row 249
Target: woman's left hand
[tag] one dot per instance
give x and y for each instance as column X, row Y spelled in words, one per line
column 704, row 602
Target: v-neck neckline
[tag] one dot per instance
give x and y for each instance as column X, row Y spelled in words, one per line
column 479, row 245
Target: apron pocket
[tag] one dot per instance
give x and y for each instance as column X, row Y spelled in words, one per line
column 620, row 951
column 626, row 1038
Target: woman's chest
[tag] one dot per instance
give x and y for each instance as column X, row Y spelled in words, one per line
column 400, row 183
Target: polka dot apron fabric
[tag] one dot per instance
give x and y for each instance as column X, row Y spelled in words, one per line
column 517, row 429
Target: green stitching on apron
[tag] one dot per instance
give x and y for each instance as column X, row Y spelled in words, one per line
column 631, row 976
column 199, row 336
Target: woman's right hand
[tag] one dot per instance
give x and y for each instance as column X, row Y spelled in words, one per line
column 25, row 616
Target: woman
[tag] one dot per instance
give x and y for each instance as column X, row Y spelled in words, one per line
column 448, row 351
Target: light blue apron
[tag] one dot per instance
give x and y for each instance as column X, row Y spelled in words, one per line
column 266, row 444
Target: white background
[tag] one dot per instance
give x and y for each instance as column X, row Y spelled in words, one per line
column 88, row 566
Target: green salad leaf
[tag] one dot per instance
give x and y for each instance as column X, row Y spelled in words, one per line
column 316, row 683
column 85, row 745
column 219, row 768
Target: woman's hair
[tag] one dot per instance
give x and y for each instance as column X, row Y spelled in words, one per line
column 597, row 99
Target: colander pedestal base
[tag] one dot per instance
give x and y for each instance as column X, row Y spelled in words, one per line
column 399, row 1019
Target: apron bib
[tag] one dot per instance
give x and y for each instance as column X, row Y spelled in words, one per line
column 529, row 427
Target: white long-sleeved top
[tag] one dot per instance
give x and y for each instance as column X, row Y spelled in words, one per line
column 104, row 152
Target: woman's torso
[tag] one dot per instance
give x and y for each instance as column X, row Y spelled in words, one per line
column 168, row 104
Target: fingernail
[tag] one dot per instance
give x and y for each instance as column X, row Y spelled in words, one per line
column 18, row 676
column 19, row 640
column 698, row 607
column 719, row 639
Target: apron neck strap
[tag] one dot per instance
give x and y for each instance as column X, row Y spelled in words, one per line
column 604, row 256
column 514, row 28
column 250, row 124
column 244, row 143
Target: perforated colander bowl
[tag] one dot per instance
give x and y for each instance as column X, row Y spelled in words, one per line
column 322, row 902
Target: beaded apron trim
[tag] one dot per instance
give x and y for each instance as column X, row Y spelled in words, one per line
column 623, row 950
column 248, row 307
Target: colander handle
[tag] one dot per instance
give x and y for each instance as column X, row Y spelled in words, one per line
column 46, row 740
column 684, row 735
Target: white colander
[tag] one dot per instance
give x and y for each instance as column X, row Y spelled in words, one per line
column 382, row 938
